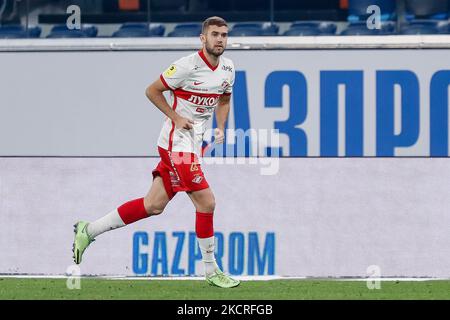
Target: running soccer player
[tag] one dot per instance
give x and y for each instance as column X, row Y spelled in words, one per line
column 199, row 84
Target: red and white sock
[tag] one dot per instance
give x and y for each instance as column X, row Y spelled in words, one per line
column 205, row 236
column 127, row 213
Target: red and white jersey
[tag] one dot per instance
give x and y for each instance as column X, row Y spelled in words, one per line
column 195, row 90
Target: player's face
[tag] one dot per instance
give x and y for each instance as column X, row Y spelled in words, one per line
column 215, row 40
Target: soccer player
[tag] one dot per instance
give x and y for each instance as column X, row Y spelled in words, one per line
column 199, row 84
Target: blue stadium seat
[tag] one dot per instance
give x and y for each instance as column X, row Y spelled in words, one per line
column 186, row 30
column 134, row 25
column 131, row 33
column 61, row 31
column 155, row 29
column 410, row 30
column 388, row 27
column 267, row 28
column 421, row 27
column 443, row 27
column 360, row 28
column 245, row 32
column 12, row 34
column 324, row 27
column 18, row 32
column 302, row 31
column 422, row 22
column 357, row 9
column 34, row 32
column 270, row 29
column 433, row 9
column 140, row 30
column 67, row 34
column 90, row 30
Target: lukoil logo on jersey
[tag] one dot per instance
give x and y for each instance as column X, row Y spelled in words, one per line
column 177, row 253
column 204, row 101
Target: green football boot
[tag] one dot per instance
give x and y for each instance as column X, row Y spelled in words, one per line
column 81, row 242
column 220, row 279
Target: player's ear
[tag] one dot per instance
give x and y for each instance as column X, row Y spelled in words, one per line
column 202, row 38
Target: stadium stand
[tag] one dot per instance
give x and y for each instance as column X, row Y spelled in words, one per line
column 423, row 26
column 255, row 28
column 128, row 30
column 246, row 32
column 131, row 18
column 186, row 30
column 61, row 31
column 68, row 34
column 322, row 28
column 360, row 28
column 18, row 31
column 302, row 31
column 443, row 27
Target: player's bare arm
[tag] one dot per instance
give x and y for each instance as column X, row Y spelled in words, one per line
column 154, row 93
column 222, row 111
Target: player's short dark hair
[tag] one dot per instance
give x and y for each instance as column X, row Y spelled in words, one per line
column 213, row 21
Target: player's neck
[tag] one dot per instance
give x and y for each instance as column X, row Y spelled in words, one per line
column 213, row 60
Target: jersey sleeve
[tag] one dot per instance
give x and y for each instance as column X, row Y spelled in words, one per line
column 175, row 75
column 229, row 88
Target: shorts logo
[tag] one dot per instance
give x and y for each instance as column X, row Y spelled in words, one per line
column 197, row 179
column 170, row 71
column 194, row 167
column 174, row 181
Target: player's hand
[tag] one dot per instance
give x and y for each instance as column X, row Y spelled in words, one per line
column 183, row 123
column 218, row 136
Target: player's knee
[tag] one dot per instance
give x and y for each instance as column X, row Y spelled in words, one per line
column 154, row 208
column 208, row 205
column 156, row 211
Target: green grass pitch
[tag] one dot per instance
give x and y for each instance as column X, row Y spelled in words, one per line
column 94, row 288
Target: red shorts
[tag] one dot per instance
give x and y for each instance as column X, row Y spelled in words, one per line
column 180, row 171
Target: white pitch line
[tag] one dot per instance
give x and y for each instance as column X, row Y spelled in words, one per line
column 393, row 279
column 242, row 278
column 146, row 278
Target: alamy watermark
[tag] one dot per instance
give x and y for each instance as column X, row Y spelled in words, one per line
column 374, row 20
column 374, row 277
column 73, row 22
column 73, row 274
column 259, row 147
